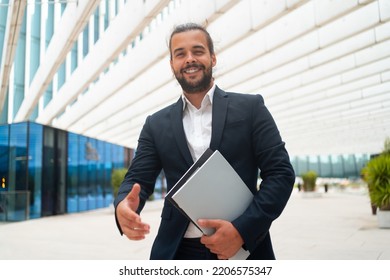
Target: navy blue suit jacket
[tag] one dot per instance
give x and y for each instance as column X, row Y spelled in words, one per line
column 245, row 133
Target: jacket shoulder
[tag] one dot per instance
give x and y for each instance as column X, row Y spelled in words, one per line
column 164, row 112
column 238, row 96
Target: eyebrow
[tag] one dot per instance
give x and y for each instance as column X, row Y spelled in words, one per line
column 177, row 50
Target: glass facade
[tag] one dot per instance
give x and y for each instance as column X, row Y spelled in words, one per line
column 35, row 144
column 4, row 156
column 331, row 166
column 4, row 159
column 47, row 171
column 72, row 174
column 3, row 21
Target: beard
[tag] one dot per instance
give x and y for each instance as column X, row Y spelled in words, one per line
column 195, row 86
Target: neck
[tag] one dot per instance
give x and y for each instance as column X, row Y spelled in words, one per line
column 196, row 97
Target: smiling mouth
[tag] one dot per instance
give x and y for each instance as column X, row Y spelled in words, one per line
column 192, row 69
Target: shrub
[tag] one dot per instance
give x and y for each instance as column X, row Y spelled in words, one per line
column 117, row 178
column 377, row 173
column 309, row 180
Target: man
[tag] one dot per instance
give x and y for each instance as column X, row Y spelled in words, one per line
column 239, row 126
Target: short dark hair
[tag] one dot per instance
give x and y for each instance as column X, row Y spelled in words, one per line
column 188, row 27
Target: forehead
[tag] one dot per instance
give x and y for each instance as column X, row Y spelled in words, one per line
column 188, row 39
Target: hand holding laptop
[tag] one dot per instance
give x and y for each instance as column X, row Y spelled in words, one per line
column 225, row 242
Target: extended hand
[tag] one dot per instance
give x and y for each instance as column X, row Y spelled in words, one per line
column 225, row 242
column 129, row 221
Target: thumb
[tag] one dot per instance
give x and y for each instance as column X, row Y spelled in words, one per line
column 133, row 197
column 210, row 223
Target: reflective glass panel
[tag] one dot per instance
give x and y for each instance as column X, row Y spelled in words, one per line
column 35, row 168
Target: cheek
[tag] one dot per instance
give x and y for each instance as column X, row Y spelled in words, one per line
column 173, row 69
column 175, row 66
column 176, row 71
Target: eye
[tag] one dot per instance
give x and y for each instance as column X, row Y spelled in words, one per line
column 179, row 54
column 199, row 52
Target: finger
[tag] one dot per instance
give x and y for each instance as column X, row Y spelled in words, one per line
column 137, row 225
column 208, row 241
column 132, row 199
column 132, row 235
column 135, row 233
column 210, row 223
column 214, row 249
column 126, row 215
column 132, row 222
column 134, row 193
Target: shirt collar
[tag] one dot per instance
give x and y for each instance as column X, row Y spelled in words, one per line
column 209, row 95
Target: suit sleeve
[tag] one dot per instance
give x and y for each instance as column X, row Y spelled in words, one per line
column 277, row 177
column 143, row 170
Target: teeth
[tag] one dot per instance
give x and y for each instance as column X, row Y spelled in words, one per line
column 192, row 70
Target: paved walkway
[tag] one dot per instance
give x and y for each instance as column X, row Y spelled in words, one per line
column 335, row 226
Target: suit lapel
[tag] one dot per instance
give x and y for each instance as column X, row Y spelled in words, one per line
column 178, row 131
column 220, row 102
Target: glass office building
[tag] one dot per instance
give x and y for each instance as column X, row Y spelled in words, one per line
column 47, row 171
column 331, row 166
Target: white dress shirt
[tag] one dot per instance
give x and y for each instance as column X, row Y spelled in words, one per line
column 197, row 128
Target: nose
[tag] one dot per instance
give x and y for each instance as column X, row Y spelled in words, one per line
column 190, row 58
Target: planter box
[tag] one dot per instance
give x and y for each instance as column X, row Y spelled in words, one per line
column 383, row 218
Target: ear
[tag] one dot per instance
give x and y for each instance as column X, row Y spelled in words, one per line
column 213, row 60
column 171, row 63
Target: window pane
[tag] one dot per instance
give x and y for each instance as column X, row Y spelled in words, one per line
column 4, row 157
column 314, row 164
column 49, row 22
column 325, row 166
column 83, row 174
column 72, row 175
column 337, row 166
column 100, row 175
column 17, row 202
column 302, row 163
column 60, row 167
column 48, row 182
column 108, row 195
column 350, row 169
column 92, row 158
column 86, row 41
column 18, row 157
column 35, row 168
column 35, row 40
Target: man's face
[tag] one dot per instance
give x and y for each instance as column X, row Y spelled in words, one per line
column 191, row 61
